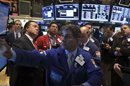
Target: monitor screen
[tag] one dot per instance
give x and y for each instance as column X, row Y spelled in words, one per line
column 67, row 12
column 4, row 13
column 48, row 13
column 95, row 12
column 44, row 27
column 120, row 14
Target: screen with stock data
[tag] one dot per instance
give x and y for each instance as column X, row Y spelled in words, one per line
column 67, row 12
column 95, row 12
column 48, row 13
column 120, row 14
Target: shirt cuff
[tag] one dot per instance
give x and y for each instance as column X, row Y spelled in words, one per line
column 86, row 84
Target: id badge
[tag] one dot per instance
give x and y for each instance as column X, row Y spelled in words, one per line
column 111, row 39
column 80, row 60
column 86, row 48
column 128, row 39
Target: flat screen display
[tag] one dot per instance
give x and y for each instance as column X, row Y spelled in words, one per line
column 67, row 12
column 4, row 13
column 95, row 12
column 120, row 14
column 48, row 13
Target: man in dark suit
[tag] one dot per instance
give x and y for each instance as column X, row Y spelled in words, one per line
column 79, row 69
column 15, row 31
column 90, row 46
column 21, row 75
column 122, row 65
column 91, row 32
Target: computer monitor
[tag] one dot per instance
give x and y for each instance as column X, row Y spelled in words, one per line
column 67, row 12
column 48, row 13
column 4, row 14
column 95, row 12
column 44, row 27
column 120, row 14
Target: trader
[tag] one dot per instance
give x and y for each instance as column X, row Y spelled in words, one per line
column 67, row 65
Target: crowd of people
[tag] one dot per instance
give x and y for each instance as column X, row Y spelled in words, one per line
column 76, row 57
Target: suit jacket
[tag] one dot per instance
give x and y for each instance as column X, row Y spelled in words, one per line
column 58, row 72
column 43, row 42
column 92, row 48
column 10, row 38
column 26, row 76
column 123, row 42
column 107, row 56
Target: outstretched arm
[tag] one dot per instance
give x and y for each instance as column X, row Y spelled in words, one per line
column 21, row 57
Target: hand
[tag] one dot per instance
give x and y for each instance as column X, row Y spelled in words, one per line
column 107, row 46
column 118, row 69
column 117, row 66
column 98, row 53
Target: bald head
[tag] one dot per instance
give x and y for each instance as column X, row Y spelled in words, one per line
column 85, row 30
column 85, row 33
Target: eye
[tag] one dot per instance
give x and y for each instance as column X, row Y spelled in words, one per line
column 17, row 24
column 124, row 28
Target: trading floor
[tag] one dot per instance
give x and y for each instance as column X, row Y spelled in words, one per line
column 4, row 80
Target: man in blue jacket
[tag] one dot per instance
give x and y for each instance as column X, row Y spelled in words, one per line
column 67, row 65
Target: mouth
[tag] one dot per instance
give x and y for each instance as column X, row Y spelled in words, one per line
column 37, row 32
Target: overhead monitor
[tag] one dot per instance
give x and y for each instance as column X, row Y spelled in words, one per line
column 4, row 13
column 67, row 12
column 120, row 14
column 44, row 27
column 95, row 12
column 48, row 13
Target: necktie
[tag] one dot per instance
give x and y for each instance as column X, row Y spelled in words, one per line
column 16, row 35
column 69, row 60
column 34, row 45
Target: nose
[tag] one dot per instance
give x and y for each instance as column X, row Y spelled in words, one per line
column 37, row 28
column 55, row 28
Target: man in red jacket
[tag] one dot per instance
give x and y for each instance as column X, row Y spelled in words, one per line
column 51, row 40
